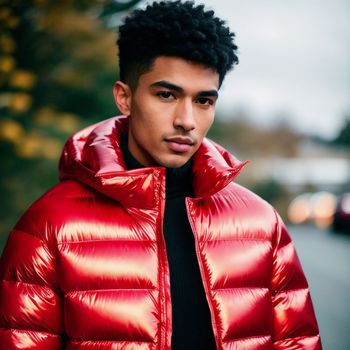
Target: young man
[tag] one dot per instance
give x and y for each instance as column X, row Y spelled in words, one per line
column 146, row 243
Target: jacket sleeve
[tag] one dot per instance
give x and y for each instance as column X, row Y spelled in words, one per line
column 30, row 305
column 295, row 325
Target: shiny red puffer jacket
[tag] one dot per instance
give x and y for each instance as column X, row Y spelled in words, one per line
column 86, row 266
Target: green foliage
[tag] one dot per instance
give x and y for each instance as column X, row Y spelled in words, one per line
column 269, row 190
column 343, row 137
column 115, row 6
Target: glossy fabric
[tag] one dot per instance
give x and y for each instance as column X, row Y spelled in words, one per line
column 86, row 268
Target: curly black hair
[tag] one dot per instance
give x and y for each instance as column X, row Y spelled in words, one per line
column 174, row 28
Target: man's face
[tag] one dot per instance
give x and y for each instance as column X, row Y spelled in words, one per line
column 171, row 110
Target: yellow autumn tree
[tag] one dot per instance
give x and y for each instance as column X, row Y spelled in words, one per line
column 58, row 62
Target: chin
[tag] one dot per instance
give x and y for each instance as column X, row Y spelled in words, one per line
column 174, row 163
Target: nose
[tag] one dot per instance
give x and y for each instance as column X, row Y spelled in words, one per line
column 184, row 116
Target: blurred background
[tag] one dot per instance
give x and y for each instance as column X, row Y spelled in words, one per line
column 285, row 107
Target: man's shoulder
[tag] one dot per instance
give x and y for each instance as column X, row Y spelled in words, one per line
column 55, row 207
column 244, row 200
column 236, row 213
column 62, row 192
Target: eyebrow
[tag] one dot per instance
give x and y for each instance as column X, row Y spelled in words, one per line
column 167, row 85
column 209, row 93
column 173, row 87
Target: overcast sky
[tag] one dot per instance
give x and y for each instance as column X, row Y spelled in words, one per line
column 294, row 60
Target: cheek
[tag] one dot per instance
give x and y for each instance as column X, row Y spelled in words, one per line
column 145, row 128
column 206, row 123
column 147, row 113
column 138, row 119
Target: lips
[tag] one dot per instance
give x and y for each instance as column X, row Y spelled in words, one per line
column 180, row 144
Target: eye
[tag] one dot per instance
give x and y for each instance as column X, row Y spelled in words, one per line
column 166, row 95
column 205, row 101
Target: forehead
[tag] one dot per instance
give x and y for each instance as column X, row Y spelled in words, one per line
column 186, row 74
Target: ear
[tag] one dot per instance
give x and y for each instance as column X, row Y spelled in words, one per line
column 122, row 97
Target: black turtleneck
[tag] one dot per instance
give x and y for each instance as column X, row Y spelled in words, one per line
column 191, row 317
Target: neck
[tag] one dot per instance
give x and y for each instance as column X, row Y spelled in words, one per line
column 178, row 180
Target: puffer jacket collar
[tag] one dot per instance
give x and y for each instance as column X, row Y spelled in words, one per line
column 93, row 156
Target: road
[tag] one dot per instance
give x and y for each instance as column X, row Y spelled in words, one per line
column 325, row 257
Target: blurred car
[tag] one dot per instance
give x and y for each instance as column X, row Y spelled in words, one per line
column 341, row 219
column 316, row 208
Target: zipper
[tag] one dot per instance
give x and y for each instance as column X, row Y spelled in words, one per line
column 201, row 268
column 164, row 266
